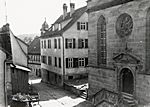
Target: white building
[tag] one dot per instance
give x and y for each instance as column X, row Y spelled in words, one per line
column 64, row 46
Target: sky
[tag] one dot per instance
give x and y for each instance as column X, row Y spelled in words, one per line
column 27, row 16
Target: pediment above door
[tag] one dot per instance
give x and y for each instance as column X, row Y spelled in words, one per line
column 126, row 58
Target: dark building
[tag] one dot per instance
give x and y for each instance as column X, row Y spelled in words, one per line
column 16, row 70
column 34, row 53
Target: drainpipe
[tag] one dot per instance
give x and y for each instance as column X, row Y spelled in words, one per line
column 5, row 90
column 63, row 79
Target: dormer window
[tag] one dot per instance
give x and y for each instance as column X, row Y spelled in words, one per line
column 59, row 26
column 53, row 28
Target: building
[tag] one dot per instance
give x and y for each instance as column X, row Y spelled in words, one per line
column 2, row 86
column 119, row 52
column 34, row 53
column 13, row 70
column 64, row 46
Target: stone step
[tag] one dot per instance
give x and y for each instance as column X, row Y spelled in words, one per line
column 129, row 99
column 127, row 94
column 83, row 95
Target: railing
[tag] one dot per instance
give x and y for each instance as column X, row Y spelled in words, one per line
column 105, row 95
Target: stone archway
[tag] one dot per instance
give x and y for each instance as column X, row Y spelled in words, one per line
column 126, row 81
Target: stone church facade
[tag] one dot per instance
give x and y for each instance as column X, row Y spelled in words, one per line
column 119, row 52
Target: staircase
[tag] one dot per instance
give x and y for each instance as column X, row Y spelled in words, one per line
column 83, row 95
column 129, row 99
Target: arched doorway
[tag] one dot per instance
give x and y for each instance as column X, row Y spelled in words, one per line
column 126, row 81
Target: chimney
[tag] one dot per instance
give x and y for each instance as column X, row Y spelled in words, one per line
column 72, row 8
column 64, row 10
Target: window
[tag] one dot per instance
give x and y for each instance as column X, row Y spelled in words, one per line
column 82, row 43
column 101, row 41
column 44, row 59
column 76, row 62
column 86, row 43
column 59, row 26
column 86, row 62
column 59, row 43
column 82, row 25
column 59, row 62
column 42, row 44
column 70, row 43
column 49, row 60
column 45, row 44
column 70, row 77
column 81, row 62
column 55, row 61
column 49, row 43
column 69, row 62
column 55, row 43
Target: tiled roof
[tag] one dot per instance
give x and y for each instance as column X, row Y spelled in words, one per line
column 75, row 16
column 108, row 5
column 34, row 47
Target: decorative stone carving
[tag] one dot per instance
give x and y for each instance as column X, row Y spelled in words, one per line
column 126, row 58
column 124, row 25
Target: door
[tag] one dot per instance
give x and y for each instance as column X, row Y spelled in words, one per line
column 127, row 81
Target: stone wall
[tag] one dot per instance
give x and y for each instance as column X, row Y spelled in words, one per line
column 101, row 78
column 135, row 44
column 143, row 89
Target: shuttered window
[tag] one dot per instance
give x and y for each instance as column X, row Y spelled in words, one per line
column 55, row 43
column 76, row 62
column 59, row 62
column 55, row 61
column 82, row 25
column 82, row 43
column 66, row 43
column 78, row 25
column 87, row 27
column 86, row 62
column 49, row 60
column 45, row 44
column 44, row 59
column 49, row 43
column 86, row 43
column 70, row 43
column 59, row 43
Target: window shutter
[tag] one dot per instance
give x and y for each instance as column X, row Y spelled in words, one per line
column 66, row 43
column 66, row 62
column 74, row 43
column 75, row 62
column 79, row 43
column 87, row 26
column 78, row 25
column 86, row 43
column 86, row 62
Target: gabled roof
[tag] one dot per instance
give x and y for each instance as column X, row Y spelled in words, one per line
column 75, row 16
column 34, row 47
column 5, row 42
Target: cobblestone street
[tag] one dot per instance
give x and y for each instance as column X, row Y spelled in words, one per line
column 52, row 96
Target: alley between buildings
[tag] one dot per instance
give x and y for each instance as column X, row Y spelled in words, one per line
column 52, row 96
